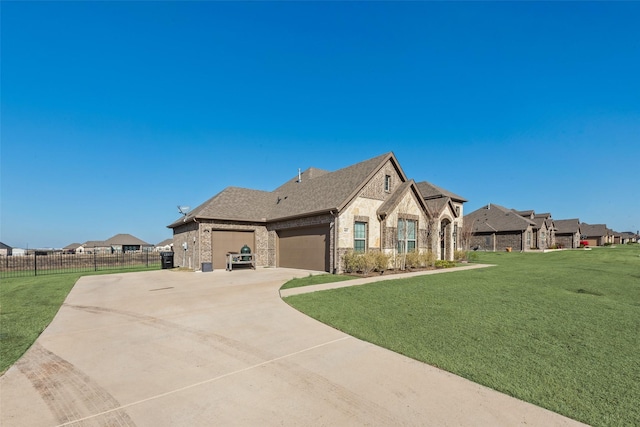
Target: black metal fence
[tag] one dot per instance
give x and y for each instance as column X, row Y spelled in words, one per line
column 56, row 263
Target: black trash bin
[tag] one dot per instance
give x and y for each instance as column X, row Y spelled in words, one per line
column 167, row 259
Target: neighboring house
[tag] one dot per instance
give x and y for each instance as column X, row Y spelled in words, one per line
column 567, row 233
column 312, row 220
column 543, row 236
column 127, row 243
column 446, row 208
column 5, row 250
column 625, row 237
column 596, row 234
column 165, row 246
column 496, row 228
column 93, row 247
column 71, row 249
column 117, row 243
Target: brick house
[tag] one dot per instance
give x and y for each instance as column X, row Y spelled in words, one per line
column 567, row 232
column 596, row 234
column 543, row 231
column 496, row 228
column 447, row 209
column 312, row 220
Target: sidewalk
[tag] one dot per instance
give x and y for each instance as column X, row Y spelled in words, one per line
column 365, row 280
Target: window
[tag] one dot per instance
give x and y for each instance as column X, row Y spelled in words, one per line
column 360, row 237
column 387, row 183
column 406, row 235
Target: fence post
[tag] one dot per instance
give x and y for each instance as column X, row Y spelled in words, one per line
column 35, row 264
column 95, row 264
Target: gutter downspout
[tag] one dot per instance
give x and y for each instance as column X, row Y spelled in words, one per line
column 335, row 242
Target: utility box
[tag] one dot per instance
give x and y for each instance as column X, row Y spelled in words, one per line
column 167, row 259
column 206, row 266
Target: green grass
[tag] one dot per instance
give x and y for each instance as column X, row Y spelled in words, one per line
column 27, row 306
column 560, row 330
column 316, row 280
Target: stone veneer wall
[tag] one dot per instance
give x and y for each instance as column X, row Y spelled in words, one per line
column 374, row 189
column 502, row 241
column 199, row 251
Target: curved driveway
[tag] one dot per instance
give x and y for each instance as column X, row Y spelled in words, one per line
column 168, row 348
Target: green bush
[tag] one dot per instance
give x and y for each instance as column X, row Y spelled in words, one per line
column 442, row 263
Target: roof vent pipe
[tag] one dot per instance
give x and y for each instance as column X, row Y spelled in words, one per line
column 489, row 206
column 299, row 176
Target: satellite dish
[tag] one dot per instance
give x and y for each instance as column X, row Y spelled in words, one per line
column 184, row 210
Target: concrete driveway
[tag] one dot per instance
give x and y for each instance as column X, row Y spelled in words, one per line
column 169, row 348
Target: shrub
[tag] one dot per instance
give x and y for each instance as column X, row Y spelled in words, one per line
column 367, row 262
column 442, row 263
column 381, row 261
column 460, row 256
column 428, row 258
column 350, row 262
column 413, row 260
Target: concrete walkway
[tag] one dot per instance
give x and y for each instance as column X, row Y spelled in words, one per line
column 167, row 348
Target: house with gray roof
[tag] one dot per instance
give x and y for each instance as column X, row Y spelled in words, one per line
column 543, row 231
column 117, row 243
column 596, row 234
column 311, row 220
column 447, row 209
column 567, row 232
column 496, row 228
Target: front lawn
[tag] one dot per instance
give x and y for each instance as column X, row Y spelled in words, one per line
column 560, row 330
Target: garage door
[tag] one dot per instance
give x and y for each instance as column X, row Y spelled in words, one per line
column 305, row 248
column 229, row 241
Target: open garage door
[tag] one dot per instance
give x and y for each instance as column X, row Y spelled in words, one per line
column 306, row 248
column 229, row 241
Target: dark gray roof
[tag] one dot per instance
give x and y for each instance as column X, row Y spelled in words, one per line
column 567, row 226
column 5, row 246
column 593, row 230
column 318, row 191
column 527, row 214
column 494, row 218
column 432, row 191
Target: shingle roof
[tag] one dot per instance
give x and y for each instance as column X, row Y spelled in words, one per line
column 72, row 246
column 165, row 242
column 125, row 239
column 567, row 226
column 432, row 191
column 317, row 191
column 94, row 244
column 494, row 218
column 593, row 230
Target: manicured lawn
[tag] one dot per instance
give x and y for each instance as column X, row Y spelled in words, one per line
column 560, row 330
column 315, row 280
column 27, row 306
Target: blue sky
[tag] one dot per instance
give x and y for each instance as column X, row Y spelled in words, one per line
column 113, row 113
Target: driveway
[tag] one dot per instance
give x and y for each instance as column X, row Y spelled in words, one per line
column 168, row 348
